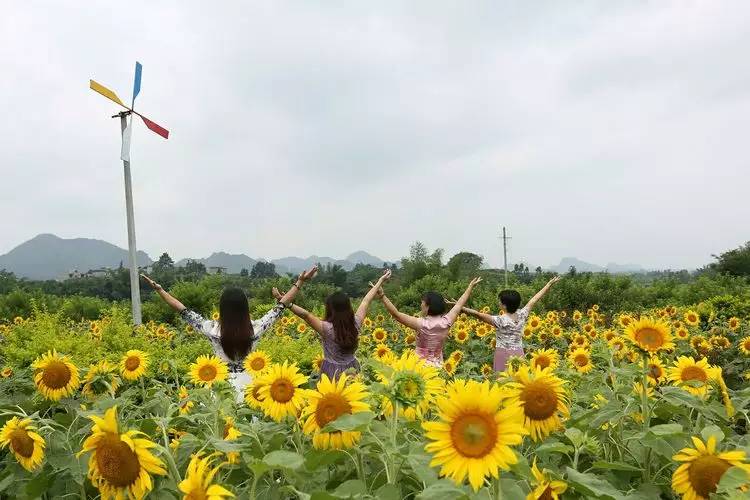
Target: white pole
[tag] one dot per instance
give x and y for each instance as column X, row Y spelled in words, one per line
column 135, row 290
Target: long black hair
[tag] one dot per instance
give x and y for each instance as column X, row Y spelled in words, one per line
column 237, row 334
column 340, row 314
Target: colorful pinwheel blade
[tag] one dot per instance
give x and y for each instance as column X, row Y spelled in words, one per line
column 155, row 127
column 97, row 87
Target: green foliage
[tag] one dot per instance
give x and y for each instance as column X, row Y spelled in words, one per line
column 735, row 262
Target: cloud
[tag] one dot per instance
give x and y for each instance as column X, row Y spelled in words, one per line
column 608, row 132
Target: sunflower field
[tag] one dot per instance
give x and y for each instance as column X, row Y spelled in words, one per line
column 614, row 405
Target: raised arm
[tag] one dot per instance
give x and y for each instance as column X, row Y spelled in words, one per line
column 305, row 315
column 367, row 300
column 304, row 276
column 536, row 298
column 171, row 301
column 485, row 318
column 406, row 320
column 461, row 302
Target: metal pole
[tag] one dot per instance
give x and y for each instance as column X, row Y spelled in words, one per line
column 505, row 257
column 135, row 286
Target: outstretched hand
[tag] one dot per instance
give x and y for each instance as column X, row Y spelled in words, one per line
column 386, row 275
column 276, row 293
column 153, row 284
column 475, row 281
column 309, row 274
column 379, row 292
column 450, row 301
column 554, row 280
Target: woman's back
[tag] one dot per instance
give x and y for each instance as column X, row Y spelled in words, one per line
column 337, row 358
column 431, row 336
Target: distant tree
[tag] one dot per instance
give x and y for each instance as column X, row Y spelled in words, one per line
column 263, row 270
column 193, row 270
column 522, row 273
column 244, row 272
column 538, row 270
column 734, row 262
column 416, row 265
column 572, row 271
column 164, row 262
column 332, row 274
column 463, row 264
column 357, row 280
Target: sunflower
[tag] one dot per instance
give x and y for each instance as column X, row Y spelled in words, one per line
column 556, row 331
column 682, row 333
column 379, row 335
column 545, row 488
column 133, row 364
column 696, row 341
column 367, row 323
column 609, row 335
column 121, row 464
column 702, row 468
column 588, row 328
column 253, row 398
column 185, row 407
column 577, row 315
column 27, row 446
column 301, row 328
column 544, row 358
column 317, row 363
column 638, row 390
column 329, row 401
column 487, row 370
column 692, row 318
column 183, row 392
column 379, row 318
column 256, row 362
column 381, row 352
column 744, row 346
column 230, row 432
column 215, row 315
column 461, row 336
column 691, row 375
column 55, row 376
column 280, row 391
column 457, row 356
column 199, row 478
column 720, row 342
column 528, row 332
column 413, row 384
column 543, row 399
column 394, row 337
column 6, row 372
column 208, row 370
column 473, row 436
column 535, row 322
column 579, row 340
column 650, row 335
column 656, row 372
column 580, row 359
column 617, row 344
column 101, row 378
column 450, row 367
column 734, row 324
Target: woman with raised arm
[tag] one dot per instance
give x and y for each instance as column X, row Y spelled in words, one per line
column 339, row 330
column 509, row 324
column 235, row 334
column 434, row 325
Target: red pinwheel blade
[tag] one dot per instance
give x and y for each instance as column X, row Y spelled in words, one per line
column 155, row 127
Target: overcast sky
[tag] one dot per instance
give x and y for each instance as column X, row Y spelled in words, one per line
column 613, row 132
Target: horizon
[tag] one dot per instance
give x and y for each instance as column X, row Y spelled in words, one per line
column 601, row 131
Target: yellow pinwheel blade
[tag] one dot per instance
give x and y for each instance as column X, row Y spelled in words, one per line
column 98, row 87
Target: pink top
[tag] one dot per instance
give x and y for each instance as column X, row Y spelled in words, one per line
column 433, row 331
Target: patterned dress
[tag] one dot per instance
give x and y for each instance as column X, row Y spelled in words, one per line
column 212, row 331
column 433, row 330
column 508, row 337
column 337, row 359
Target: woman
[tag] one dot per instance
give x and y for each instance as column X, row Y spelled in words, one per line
column 339, row 331
column 434, row 325
column 510, row 323
column 235, row 334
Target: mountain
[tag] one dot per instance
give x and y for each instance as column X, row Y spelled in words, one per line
column 362, row 257
column 587, row 267
column 50, row 257
column 296, row 265
column 234, row 263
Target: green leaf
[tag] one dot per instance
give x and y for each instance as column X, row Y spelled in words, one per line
column 317, row 458
column 511, row 490
column 7, row 481
column 615, row 466
column 354, row 422
column 282, row 459
column 575, row 436
column 732, row 479
column 442, row 490
column 592, row 485
column 712, row 430
column 420, row 464
column 388, row 492
column 666, row 430
column 554, row 448
column 350, row 489
column 38, row 485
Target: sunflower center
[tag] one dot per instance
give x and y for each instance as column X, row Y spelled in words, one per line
column 546, row 494
column 542, row 361
column 474, row 434
column 581, row 360
column 705, row 473
column 56, row 375
column 207, row 372
column 655, row 371
column 540, row 400
column 331, row 407
column 649, row 337
column 694, row 373
column 258, row 364
column 196, row 495
column 117, row 463
column 132, row 363
column 282, row 390
column 21, row 443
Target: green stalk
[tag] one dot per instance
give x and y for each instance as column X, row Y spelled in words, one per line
column 646, row 412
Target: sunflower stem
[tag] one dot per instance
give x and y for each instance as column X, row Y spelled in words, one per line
column 168, row 455
column 646, row 411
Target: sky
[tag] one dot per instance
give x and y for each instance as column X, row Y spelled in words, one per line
column 608, row 131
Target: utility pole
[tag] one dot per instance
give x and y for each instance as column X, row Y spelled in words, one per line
column 505, row 256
